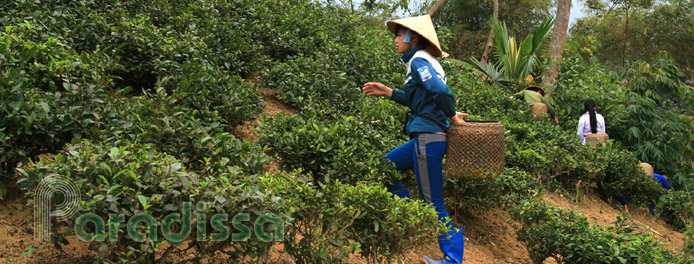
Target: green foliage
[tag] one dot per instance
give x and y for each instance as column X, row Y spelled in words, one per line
column 638, row 30
column 676, row 208
column 659, row 136
column 504, row 191
column 515, row 61
column 581, row 79
column 334, row 74
column 48, row 94
column 334, row 220
column 475, row 97
column 202, row 86
column 688, row 251
column 346, row 149
column 468, row 20
column 196, row 137
column 136, row 178
column 660, row 81
column 568, row 237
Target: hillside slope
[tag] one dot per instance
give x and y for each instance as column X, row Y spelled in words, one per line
column 489, row 236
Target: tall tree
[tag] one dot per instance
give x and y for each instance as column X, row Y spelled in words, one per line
column 435, row 7
column 490, row 39
column 556, row 46
column 664, row 26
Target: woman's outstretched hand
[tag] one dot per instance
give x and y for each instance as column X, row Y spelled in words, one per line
column 376, row 88
column 458, row 118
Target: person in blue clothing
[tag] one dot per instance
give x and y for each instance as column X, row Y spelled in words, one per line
column 432, row 109
column 660, row 176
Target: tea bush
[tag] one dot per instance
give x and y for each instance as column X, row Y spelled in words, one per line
column 131, row 179
column 333, row 220
column 202, row 86
column 48, row 94
column 556, row 156
column 637, row 106
column 688, row 251
column 676, row 208
column 505, row 190
column 196, row 137
column 346, row 149
column 568, row 237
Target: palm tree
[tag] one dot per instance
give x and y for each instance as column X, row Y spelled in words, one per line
column 514, row 62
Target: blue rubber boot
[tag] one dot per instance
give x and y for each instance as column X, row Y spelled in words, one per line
column 427, row 260
column 452, row 248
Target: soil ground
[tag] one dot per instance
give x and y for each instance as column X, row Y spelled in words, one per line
column 489, row 237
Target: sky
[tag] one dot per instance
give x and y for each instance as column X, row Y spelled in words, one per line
column 576, row 12
column 576, row 9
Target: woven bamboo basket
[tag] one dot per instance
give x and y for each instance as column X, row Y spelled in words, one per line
column 647, row 168
column 475, row 150
column 539, row 110
column 595, row 139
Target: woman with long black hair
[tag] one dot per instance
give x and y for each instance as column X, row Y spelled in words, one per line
column 591, row 122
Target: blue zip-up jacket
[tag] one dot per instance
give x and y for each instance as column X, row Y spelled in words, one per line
column 662, row 180
column 425, row 93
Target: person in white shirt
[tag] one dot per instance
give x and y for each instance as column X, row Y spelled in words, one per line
column 591, row 122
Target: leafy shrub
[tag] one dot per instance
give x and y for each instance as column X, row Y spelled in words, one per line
column 319, row 218
column 568, row 237
column 331, row 221
column 505, row 190
column 134, row 178
column 630, row 103
column 387, row 228
column 49, row 94
column 688, row 251
column 475, row 97
column 346, row 149
column 307, row 82
column 196, row 137
column 582, row 79
column 676, row 208
column 200, row 85
column 553, row 155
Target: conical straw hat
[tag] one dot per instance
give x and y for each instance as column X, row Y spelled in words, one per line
column 423, row 26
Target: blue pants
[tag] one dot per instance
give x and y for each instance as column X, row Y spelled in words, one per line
column 424, row 154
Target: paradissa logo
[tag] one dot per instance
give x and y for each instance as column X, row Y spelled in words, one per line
column 266, row 227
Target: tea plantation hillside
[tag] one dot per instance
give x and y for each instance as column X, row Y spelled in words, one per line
column 137, row 105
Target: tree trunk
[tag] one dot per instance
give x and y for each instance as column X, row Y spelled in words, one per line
column 490, row 39
column 435, row 7
column 556, row 46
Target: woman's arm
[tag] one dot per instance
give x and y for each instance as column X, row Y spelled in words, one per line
column 580, row 129
column 378, row 89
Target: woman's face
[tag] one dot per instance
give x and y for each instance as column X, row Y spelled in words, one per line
column 400, row 45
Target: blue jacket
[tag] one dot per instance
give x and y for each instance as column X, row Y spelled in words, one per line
column 425, row 93
column 662, row 180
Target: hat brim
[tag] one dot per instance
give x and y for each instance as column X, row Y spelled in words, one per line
column 423, row 26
